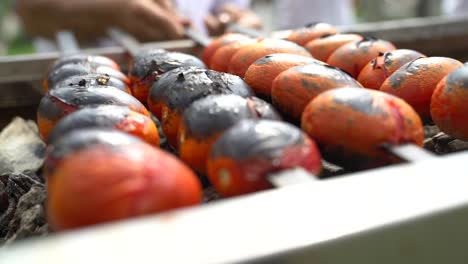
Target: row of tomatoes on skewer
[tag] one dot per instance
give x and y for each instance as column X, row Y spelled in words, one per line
column 212, row 120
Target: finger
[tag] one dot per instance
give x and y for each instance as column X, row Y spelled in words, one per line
column 156, row 20
column 213, row 25
column 169, row 24
column 141, row 32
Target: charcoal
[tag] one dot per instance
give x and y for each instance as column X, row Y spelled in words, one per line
column 210, row 194
column 331, row 170
column 21, row 149
column 430, row 131
column 4, row 202
column 29, row 218
column 23, row 213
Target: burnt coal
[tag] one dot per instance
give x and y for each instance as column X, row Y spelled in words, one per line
column 22, row 212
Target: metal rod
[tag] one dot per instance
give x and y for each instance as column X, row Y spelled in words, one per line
column 233, row 27
column 289, row 177
column 409, row 152
column 67, row 42
column 197, row 37
column 128, row 42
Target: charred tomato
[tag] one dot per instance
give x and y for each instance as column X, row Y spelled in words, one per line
column 313, row 31
column 179, row 88
column 351, row 125
column 58, row 74
column 219, row 42
column 58, row 103
column 247, row 55
column 293, row 89
column 244, row 155
column 93, row 80
column 323, row 47
column 449, row 108
column 352, row 57
column 109, row 117
column 222, row 56
column 124, row 181
column 415, row 81
column 148, row 67
column 380, row 68
column 261, row 74
column 206, row 119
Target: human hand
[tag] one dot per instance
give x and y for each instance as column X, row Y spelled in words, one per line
column 151, row 20
column 147, row 20
column 231, row 14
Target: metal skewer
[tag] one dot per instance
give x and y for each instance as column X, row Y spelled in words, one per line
column 409, row 152
column 128, row 42
column 67, row 42
column 197, row 37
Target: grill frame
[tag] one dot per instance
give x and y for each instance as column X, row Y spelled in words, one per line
column 397, row 238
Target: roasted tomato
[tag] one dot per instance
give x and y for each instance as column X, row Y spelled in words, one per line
column 351, row 124
column 380, row 68
column 80, row 69
column 352, row 57
column 148, row 67
column 84, row 59
column 244, row 155
column 102, row 183
column 219, row 42
column 323, row 47
column 415, row 81
column 313, row 31
column 222, row 56
column 294, row 88
column 93, row 80
column 177, row 89
column 261, row 73
column 449, row 107
column 206, row 119
column 58, row 103
column 64, row 145
column 110, row 117
column 247, row 55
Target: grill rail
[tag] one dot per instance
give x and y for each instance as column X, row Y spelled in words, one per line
column 412, row 213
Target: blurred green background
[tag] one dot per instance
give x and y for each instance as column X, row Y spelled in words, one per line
column 14, row 41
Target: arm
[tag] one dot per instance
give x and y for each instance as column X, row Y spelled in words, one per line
column 145, row 19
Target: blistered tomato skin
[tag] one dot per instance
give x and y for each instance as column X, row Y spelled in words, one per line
column 222, row 56
column 80, row 69
column 108, row 117
column 87, row 59
column 380, row 68
column 58, row 103
column 93, row 80
column 206, row 119
column 304, row 35
column 323, row 47
column 351, row 124
column 147, row 68
column 177, row 89
column 416, row 81
column 354, row 56
column 123, row 182
column 218, row 43
column 294, row 88
column 449, row 108
column 261, row 74
column 247, row 55
column 244, row 156
column 76, row 140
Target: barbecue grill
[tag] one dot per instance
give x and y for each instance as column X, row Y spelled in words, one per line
column 408, row 213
